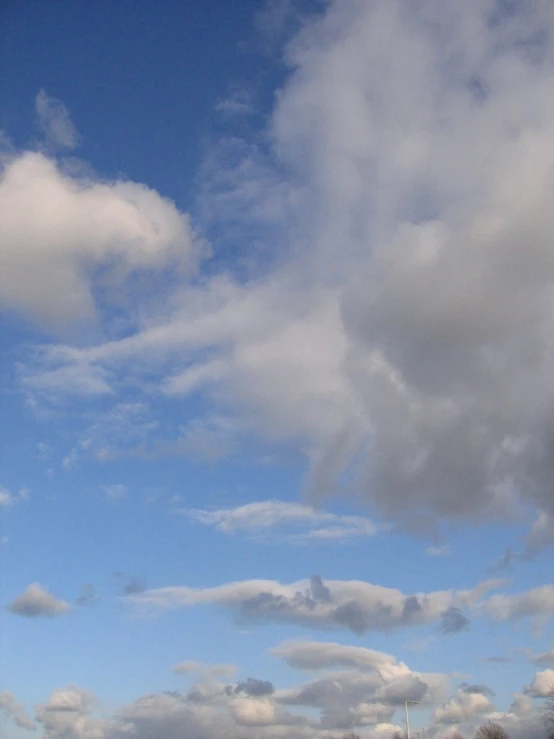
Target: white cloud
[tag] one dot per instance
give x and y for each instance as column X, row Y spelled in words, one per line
column 334, row 604
column 68, row 713
column 249, row 712
column 405, row 335
column 35, row 602
column 537, row 603
column 464, row 706
column 542, row 684
column 15, row 710
column 522, row 705
column 264, row 516
column 340, row 695
column 309, row 655
column 70, row 699
column 79, row 226
column 364, row 699
column 7, row 499
column 55, row 121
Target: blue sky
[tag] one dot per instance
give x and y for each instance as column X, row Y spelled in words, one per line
column 276, row 337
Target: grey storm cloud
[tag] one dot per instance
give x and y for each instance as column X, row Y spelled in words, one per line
column 55, row 121
column 453, row 620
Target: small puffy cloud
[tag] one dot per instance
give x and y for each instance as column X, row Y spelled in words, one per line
column 262, row 517
column 8, row 499
column 464, row 706
column 80, row 227
column 453, row 621
column 71, row 699
column 542, row 684
column 68, row 713
column 35, row 602
column 55, row 121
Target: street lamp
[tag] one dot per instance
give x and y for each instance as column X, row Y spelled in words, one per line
column 407, row 718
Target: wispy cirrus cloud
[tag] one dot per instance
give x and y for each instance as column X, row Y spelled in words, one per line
column 55, row 121
column 204, row 671
column 546, row 658
column 270, row 518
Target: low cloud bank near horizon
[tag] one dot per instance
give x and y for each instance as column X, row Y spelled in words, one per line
column 353, row 688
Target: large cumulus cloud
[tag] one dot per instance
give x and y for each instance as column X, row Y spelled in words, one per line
column 404, row 331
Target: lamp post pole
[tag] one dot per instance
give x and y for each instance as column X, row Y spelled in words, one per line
column 407, row 717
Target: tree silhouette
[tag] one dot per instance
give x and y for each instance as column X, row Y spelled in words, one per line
column 491, row 731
